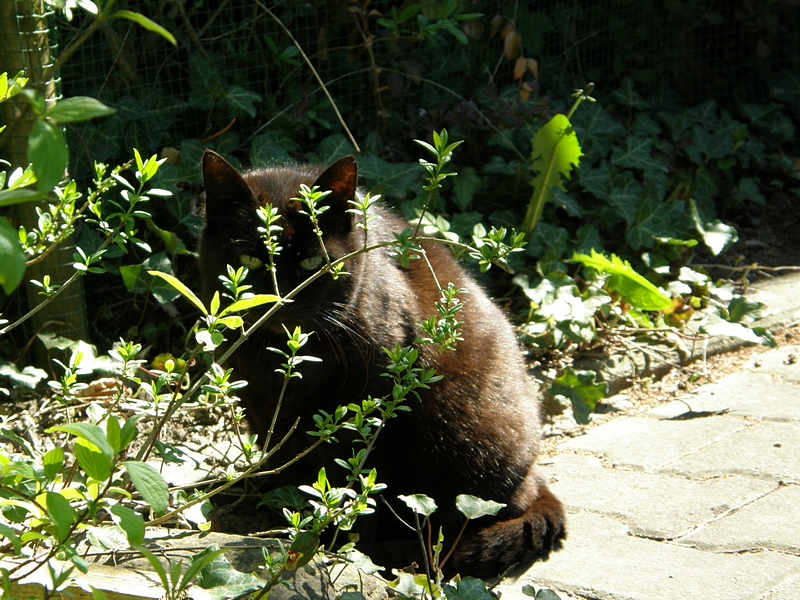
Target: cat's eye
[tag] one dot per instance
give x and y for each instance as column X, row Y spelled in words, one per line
column 251, row 262
column 311, row 263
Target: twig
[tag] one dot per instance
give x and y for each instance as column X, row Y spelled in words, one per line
column 753, row 267
column 313, row 70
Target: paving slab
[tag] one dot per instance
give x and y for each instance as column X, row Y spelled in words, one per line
column 600, row 560
column 651, row 444
column 654, row 506
column 772, row 522
column 789, row 590
column 783, row 362
column 765, row 450
column 743, row 394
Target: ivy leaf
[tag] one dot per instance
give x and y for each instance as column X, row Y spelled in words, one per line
column 637, row 154
column 635, row 289
column 581, row 390
column 627, row 96
column 555, row 152
column 219, row 580
column 241, row 100
column 389, row 179
column 703, row 113
column 468, row 588
column 626, row 196
column 678, row 123
column 287, row 495
column 465, row 186
column 473, row 507
column 333, row 147
column 655, row 219
column 149, row 483
column 748, row 190
column 137, row 279
column 420, row 504
column 716, row 235
column 563, row 200
column 596, row 130
column 596, row 181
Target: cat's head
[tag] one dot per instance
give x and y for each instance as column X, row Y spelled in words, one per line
column 230, row 235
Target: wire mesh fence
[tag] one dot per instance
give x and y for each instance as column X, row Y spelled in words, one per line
column 236, row 73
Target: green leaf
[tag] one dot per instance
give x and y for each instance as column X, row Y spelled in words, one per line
column 555, row 152
column 468, row 588
column 138, row 280
column 627, row 96
column 11, row 535
column 465, row 185
column 655, row 219
column 748, row 190
column 626, row 197
column 130, row 522
column 473, row 507
column 218, row 580
column 597, row 130
column 47, row 152
column 79, row 108
column 284, row 496
column 716, row 325
column 89, row 432
column 61, row 513
column 637, row 154
column 94, row 463
column 389, row 179
column 19, row 196
column 149, row 483
column 12, row 258
column 420, row 504
column 716, row 235
column 9, row 436
column 53, row 461
column 143, row 21
column 129, row 431
column 635, row 289
column 582, row 391
column 178, row 285
column 249, row 303
column 304, row 546
column 333, row 147
column 241, row 100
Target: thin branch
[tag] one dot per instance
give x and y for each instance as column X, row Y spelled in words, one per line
column 313, row 70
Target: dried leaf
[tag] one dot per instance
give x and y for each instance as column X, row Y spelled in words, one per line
column 497, row 23
column 533, row 67
column 322, row 45
column 512, row 46
column 519, row 67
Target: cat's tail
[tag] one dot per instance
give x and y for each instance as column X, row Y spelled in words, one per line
column 488, row 552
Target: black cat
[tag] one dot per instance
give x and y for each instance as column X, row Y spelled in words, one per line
column 475, row 432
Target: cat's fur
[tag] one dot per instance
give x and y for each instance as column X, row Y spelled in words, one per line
column 475, row 432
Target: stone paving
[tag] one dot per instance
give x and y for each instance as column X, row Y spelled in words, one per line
column 698, row 498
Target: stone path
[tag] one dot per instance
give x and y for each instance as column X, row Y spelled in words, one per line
column 696, row 499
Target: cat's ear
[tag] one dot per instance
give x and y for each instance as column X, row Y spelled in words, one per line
column 224, row 186
column 341, row 178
